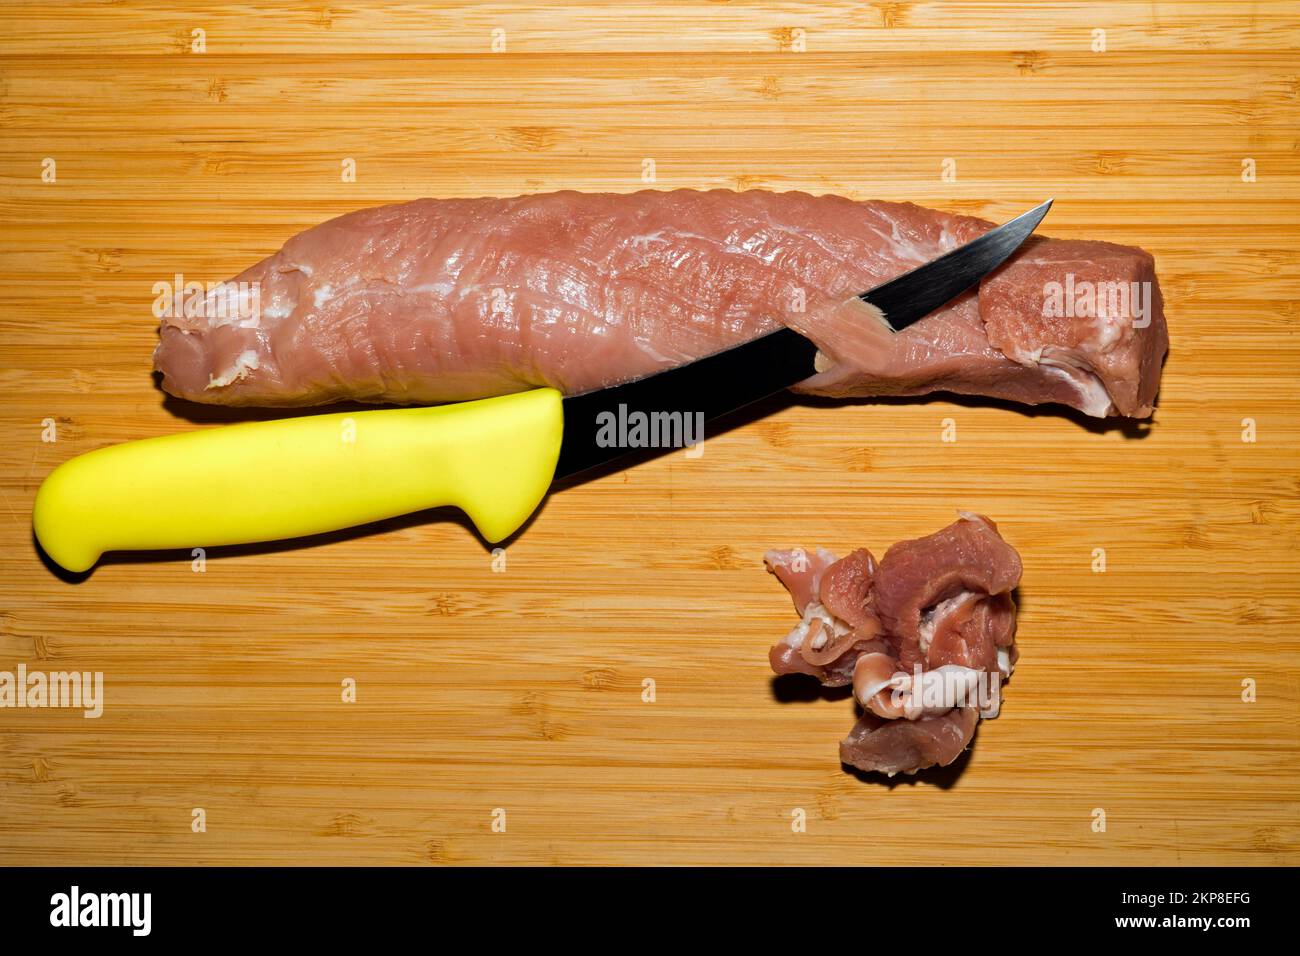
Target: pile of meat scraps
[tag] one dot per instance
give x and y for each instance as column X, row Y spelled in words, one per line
column 926, row 636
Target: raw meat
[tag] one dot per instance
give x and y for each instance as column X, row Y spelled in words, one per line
column 905, row 746
column 445, row 300
column 926, row 636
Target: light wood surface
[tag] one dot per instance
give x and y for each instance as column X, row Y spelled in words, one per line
column 522, row 691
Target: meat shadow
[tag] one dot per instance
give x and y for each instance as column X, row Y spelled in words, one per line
column 197, row 413
column 1133, row 429
column 804, row 688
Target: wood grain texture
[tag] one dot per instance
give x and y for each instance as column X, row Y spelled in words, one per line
column 522, row 690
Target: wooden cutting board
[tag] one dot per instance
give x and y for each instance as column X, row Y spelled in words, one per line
column 517, row 695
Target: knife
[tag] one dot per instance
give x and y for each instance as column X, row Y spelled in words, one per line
column 493, row 458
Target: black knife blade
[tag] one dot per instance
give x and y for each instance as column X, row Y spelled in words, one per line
column 608, row 423
column 914, row 295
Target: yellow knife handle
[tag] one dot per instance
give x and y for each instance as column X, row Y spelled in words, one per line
column 262, row 481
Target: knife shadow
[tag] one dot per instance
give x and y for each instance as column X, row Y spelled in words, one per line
column 447, row 514
column 226, row 415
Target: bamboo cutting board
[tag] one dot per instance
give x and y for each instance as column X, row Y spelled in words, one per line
column 501, row 713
